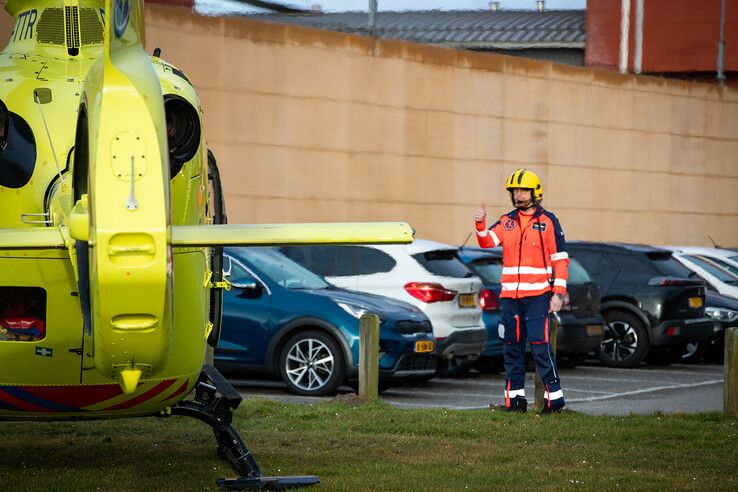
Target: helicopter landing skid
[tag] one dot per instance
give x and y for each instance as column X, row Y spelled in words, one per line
column 214, row 403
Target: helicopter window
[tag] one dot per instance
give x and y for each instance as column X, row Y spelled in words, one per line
column 17, row 150
column 22, row 314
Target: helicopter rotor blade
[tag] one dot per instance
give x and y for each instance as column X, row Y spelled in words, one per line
column 278, row 234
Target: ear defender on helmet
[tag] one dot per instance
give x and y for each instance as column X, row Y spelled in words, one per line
column 522, row 178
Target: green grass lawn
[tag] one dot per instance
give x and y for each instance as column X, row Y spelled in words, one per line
column 377, row 447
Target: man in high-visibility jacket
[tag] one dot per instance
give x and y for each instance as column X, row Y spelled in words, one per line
column 535, row 268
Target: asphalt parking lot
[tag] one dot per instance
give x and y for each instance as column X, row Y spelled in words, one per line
column 591, row 389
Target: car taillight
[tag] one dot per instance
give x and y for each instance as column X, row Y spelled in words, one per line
column 429, row 291
column 488, row 300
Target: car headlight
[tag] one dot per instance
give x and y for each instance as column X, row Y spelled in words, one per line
column 721, row 314
column 353, row 309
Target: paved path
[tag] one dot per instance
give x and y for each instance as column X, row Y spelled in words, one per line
column 589, row 389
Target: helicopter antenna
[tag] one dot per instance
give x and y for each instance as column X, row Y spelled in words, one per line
column 713, row 242
column 37, row 98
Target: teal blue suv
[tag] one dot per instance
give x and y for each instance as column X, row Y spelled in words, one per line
column 281, row 320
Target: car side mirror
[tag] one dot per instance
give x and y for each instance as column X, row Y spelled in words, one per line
column 246, row 283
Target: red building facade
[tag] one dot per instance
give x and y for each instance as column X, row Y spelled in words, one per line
column 678, row 36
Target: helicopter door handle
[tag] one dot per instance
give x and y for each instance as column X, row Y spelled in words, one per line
column 29, row 218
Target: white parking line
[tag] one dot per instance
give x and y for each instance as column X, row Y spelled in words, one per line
column 645, row 390
column 631, row 370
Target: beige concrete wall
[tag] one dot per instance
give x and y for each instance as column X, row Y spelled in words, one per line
column 319, row 126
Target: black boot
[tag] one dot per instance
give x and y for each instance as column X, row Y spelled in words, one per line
column 517, row 404
column 552, row 410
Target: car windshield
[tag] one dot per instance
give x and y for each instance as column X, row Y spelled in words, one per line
column 723, row 264
column 443, row 262
column 713, row 269
column 282, row 270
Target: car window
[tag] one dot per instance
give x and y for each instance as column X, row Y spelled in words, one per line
column 327, row 261
column 633, row 263
column 282, row 270
column 734, row 258
column 577, row 274
column 443, row 262
column 233, row 270
column 712, row 269
column 724, row 265
column 489, row 269
column 370, row 260
column 588, row 259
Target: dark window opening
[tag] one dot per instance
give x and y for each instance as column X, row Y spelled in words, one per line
column 327, row 261
column 444, row 263
column 17, row 150
column 81, row 156
column 22, row 314
column 370, row 260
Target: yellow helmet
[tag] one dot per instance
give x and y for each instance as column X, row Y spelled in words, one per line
column 522, row 178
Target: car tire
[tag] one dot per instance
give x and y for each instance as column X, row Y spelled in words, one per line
column 624, row 341
column 694, row 352
column 454, row 367
column 312, row 363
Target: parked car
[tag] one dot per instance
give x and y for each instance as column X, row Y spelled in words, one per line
column 280, row 319
column 726, row 259
column 486, row 266
column 424, row 273
column 651, row 308
column 724, row 312
column 580, row 323
column 710, row 269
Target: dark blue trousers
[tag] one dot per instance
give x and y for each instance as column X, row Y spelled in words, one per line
column 524, row 319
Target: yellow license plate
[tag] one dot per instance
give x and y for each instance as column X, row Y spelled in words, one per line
column 422, row 346
column 695, row 302
column 594, row 330
column 467, row 300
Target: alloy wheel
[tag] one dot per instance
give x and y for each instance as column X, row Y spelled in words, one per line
column 619, row 341
column 309, row 364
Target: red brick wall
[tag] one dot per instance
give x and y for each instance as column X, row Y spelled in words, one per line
column 678, row 35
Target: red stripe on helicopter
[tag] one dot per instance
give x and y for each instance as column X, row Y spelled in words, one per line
column 75, row 396
column 156, row 390
column 179, row 391
column 20, row 404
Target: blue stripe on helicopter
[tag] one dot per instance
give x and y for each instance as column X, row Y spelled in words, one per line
column 52, row 406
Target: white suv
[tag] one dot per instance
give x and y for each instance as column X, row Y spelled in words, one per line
column 425, row 273
column 715, row 266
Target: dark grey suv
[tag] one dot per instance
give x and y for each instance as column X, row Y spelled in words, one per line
column 651, row 306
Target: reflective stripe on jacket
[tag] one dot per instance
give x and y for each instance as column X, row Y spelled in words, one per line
column 532, row 256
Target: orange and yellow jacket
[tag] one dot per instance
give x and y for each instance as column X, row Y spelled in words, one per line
column 533, row 258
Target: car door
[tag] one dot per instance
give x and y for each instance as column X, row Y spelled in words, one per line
column 246, row 317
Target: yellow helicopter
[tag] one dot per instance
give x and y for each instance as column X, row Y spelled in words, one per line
column 111, row 228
